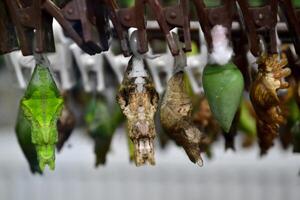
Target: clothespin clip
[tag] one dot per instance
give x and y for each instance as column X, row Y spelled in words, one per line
column 293, row 21
column 34, row 18
column 249, row 26
column 292, row 62
column 196, row 64
column 89, row 65
column 209, row 17
column 61, row 62
column 178, row 16
column 101, row 21
column 14, row 59
column 134, row 17
column 88, row 23
column 121, row 32
column 29, row 20
column 118, row 63
column 265, row 21
column 161, row 68
column 180, row 60
column 8, row 35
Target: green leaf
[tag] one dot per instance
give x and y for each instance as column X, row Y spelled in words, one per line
column 42, row 106
column 223, row 87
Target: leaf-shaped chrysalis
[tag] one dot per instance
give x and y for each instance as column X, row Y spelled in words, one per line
column 42, row 105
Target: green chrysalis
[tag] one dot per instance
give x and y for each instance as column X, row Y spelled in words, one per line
column 42, row 105
column 23, row 132
column 223, row 87
column 247, row 123
column 102, row 123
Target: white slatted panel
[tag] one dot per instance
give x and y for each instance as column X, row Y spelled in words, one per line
column 234, row 176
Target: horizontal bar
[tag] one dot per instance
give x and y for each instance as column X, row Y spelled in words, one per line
column 281, row 26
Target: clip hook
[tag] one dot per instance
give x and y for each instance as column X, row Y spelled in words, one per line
column 178, row 16
column 209, row 17
column 292, row 21
column 180, row 61
column 133, row 17
column 263, row 20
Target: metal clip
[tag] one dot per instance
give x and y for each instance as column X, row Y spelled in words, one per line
column 196, row 64
column 84, row 19
column 292, row 21
column 29, row 20
column 89, row 64
column 250, row 27
column 209, row 17
column 161, row 69
column 118, row 63
column 34, row 19
column 61, row 62
column 121, row 32
column 8, row 35
column 264, row 20
column 92, row 68
column 125, row 18
column 178, row 16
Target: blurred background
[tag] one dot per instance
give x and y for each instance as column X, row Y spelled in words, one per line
column 228, row 175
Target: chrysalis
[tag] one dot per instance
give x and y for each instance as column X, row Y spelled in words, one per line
column 229, row 136
column 23, row 132
column 102, row 121
column 176, row 118
column 220, row 82
column 204, row 119
column 138, row 100
column 247, row 123
column 65, row 126
column 42, row 105
column 223, row 82
column 263, row 95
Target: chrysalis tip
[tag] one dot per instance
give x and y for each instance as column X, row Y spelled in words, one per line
column 199, row 162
